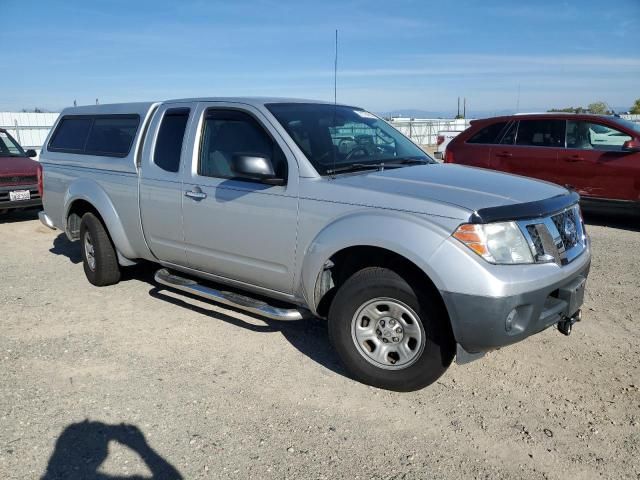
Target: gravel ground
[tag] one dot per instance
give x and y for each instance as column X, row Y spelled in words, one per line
column 131, row 381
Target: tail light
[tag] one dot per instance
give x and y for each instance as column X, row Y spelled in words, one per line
column 448, row 156
column 440, row 139
column 40, row 181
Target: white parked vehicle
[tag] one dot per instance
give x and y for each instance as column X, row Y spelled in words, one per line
column 444, row 137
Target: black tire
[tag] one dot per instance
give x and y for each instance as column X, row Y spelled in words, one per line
column 439, row 345
column 106, row 270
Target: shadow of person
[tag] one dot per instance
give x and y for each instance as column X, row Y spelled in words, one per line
column 309, row 336
column 83, row 447
column 63, row 246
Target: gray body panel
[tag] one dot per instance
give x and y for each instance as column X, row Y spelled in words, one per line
column 275, row 240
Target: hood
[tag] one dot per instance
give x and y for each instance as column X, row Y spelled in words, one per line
column 17, row 166
column 444, row 189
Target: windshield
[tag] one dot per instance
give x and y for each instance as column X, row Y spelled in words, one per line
column 628, row 124
column 9, row 147
column 335, row 138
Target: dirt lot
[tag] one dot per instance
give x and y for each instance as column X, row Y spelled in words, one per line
column 132, row 380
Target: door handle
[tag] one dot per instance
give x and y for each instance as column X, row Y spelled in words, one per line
column 504, row 155
column 575, row 158
column 196, row 194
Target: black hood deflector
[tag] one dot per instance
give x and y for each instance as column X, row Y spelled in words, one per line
column 523, row 211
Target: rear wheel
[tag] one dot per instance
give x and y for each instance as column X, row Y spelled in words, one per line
column 388, row 334
column 99, row 256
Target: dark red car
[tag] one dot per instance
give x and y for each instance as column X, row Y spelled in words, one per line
column 596, row 155
column 19, row 175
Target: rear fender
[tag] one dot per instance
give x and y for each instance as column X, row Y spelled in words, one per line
column 91, row 192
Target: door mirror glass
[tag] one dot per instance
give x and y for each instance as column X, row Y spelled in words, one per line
column 31, row 153
column 254, row 167
column 631, row 146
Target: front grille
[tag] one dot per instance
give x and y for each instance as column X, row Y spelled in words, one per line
column 558, row 238
column 18, row 180
column 535, row 238
column 567, row 225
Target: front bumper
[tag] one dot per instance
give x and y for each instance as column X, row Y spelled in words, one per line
column 7, row 204
column 482, row 323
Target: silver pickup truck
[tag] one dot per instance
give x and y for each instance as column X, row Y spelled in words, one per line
column 288, row 208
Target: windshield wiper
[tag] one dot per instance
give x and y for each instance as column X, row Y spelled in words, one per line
column 387, row 163
column 410, row 161
column 354, row 167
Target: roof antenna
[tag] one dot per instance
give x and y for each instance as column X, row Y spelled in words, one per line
column 335, row 73
column 335, row 101
column 518, row 100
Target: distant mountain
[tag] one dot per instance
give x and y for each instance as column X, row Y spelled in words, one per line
column 411, row 113
column 417, row 114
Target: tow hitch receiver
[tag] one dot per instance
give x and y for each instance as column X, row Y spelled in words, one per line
column 565, row 325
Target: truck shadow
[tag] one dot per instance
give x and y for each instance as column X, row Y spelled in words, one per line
column 309, row 336
column 82, row 448
column 63, row 246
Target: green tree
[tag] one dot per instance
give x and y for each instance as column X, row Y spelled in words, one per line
column 569, row 110
column 635, row 110
column 599, row 108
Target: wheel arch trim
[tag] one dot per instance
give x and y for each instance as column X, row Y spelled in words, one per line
column 410, row 236
column 91, row 192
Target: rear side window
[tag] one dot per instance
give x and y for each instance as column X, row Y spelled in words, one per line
column 103, row 135
column 510, row 135
column 541, row 133
column 71, row 134
column 489, row 134
column 170, row 138
column 112, row 136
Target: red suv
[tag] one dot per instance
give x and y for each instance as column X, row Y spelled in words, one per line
column 20, row 179
column 596, row 155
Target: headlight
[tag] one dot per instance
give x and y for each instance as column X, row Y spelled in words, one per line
column 501, row 243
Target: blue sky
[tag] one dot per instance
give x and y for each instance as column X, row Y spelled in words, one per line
column 394, row 54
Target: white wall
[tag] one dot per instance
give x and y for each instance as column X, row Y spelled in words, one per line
column 29, row 129
column 424, row 131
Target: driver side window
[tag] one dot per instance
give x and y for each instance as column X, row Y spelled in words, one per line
column 594, row 136
column 227, row 133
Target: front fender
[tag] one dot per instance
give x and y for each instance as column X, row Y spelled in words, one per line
column 91, row 192
column 412, row 236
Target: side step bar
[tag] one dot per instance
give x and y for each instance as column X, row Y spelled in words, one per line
column 248, row 304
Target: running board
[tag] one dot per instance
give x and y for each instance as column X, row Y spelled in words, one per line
column 248, row 304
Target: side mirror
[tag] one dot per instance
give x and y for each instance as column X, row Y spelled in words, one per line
column 31, row 153
column 255, row 167
column 631, row 146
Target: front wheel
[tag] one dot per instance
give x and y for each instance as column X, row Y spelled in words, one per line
column 387, row 334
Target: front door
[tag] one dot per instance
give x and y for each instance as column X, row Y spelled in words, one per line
column 595, row 165
column 234, row 227
column 530, row 148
